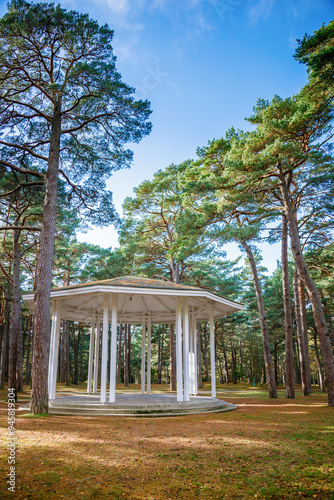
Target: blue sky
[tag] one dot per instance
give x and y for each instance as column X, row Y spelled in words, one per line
column 203, row 64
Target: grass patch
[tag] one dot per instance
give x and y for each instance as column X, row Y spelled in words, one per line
column 37, row 415
column 266, row 449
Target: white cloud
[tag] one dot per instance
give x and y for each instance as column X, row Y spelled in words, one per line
column 260, row 11
column 292, row 41
column 128, row 49
column 119, row 6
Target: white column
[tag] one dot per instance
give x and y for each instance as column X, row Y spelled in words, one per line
column 52, row 340
column 195, row 356
column 104, row 360
column 91, row 355
column 178, row 328
column 191, row 355
column 212, row 354
column 143, row 341
column 186, row 349
column 113, row 348
column 96, row 354
column 149, row 331
column 53, row 386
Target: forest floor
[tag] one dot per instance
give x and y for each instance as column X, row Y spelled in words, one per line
column 266, row 449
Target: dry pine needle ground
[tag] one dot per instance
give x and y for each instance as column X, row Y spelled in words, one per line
column 271, row 449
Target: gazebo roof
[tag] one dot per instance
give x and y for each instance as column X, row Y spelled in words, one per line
column 133, row 281
column 137, row 296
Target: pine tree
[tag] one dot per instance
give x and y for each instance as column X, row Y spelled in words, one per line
column 63, row 104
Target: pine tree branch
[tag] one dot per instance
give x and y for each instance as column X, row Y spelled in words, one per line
column 29, row 228
column 22, row 170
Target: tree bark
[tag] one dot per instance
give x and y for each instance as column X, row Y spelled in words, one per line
column 289, row 380
column 199, row 357
column 296, row 363
column 126, row 355
column 233, row 362
column 221, row 376
column 119, row 355
column 172, row 358
column 241, row 361
column 19, row 359
column 5, row 337
column 2, row 327
column 129, row 352
column 161, row 335
column 62, row 354
column 2, row 310
column 81, row 379
column 15, row 330
column 29, row 336
column 76, row 347
column 300, row 336
column 317, row 355
column 263, row 323
column 159, row 354
column 283, row 373
column 204, row 349
column 329, row 319
column 303, row 314
column 66, row 328
column 32, row 350
column 318, row 313
column 40, row 364
column 276, row 344
column 227, row 374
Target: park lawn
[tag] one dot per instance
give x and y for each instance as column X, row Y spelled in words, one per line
column 271, row 449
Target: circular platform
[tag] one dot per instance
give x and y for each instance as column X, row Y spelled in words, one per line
column 133, row 405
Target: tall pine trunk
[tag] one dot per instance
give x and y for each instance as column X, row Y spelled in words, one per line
column 241, row 361
column 233, row 362
column 40, row 364
column 129, row 351
column 19, row 359
column 126, row 355
column 6, row 325
column 172, row 358
column 199, row 356
column 82, row 377
column 15, row 330
column 308, row 383
column 2, row 328
column 226, row 370
column 161, row 335
column 304, row 369
column 296, row 363
column 329, row 319
column 76, row 350
column 62, row 354
column 205, row 354
column 119, row 355
column 276, row 361
column 263, row 323
column 66, row 331
column 317, row 355
column 318, row 313
column 290, row 382
column 29, row 337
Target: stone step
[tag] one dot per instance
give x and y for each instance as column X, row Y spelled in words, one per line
column 134, row 410
column 137, row 411
column 134, row 407
column 118, row 413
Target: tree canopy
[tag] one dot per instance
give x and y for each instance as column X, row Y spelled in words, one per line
column 66, row 122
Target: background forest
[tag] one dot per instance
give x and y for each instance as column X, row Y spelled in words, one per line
column 274, row 183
